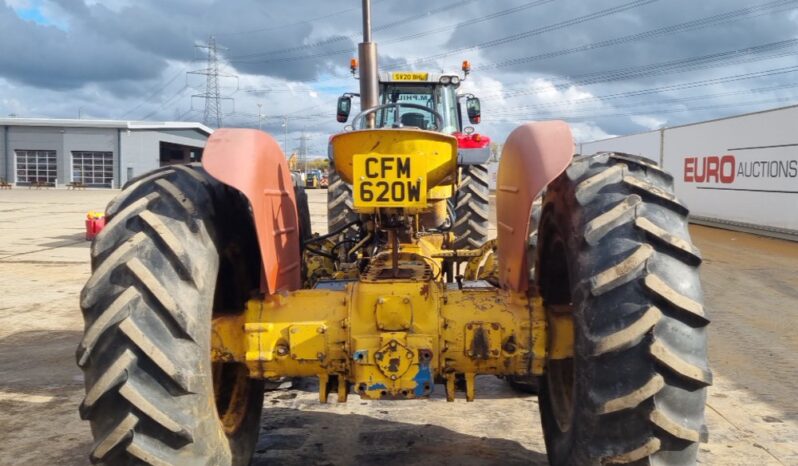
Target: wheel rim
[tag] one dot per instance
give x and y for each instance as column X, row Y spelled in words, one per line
column 231, row 387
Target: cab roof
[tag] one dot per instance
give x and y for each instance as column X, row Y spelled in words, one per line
column 415, row 77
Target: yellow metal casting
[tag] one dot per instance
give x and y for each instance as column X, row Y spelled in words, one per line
column 560, row 332
column 437, row 150
column 299, row 334
column 441, row 192
column 396, row 329
column 388, row 339
column 396, row 168
column 539, row 336
column 482, row 265
column 317, row 266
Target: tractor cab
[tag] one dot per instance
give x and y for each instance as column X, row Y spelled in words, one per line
column 421, row 100
column 415, row 133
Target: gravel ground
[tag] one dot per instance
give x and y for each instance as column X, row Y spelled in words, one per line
column 751, row 287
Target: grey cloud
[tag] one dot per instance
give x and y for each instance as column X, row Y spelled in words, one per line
column 45, row 56
column 113, row 58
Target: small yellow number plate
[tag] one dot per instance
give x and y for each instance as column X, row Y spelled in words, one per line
column 389, row 181
column 409, row 76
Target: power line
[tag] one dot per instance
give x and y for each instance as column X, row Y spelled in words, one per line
column 166, row 102
column 637, row 93
column 541, row 30
column 648, row 110
column 656, row 90
column 278, row 91
column 288, row 25
column 313, row 116
column 155, row 91
column 356, row 37
column 186, row 113
column 237, row 59
column 756, row 53
column 519, row 111
column 757, row 10
column 714, row 20
column 442, row 9
column 670, row 101
column 469, row 22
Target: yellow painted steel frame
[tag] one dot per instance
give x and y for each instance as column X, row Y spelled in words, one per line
column 388, row 339
column 394, row 338
column 431, row 158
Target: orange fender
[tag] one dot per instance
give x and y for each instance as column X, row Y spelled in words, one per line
column 533, row 156
column 251, row 161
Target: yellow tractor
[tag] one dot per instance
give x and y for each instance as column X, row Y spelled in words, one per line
column 207, row 280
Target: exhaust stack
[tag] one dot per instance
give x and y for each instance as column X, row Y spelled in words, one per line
column 369, row 81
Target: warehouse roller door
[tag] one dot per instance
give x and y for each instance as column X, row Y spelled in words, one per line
column 94, row 169
column 36, row 167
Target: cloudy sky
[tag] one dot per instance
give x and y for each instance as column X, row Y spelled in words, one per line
column 607, row 66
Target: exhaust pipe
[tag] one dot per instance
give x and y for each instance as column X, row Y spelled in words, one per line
column 369, row 79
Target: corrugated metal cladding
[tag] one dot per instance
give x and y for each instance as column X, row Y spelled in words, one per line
column 739, row 172
column 95, row 153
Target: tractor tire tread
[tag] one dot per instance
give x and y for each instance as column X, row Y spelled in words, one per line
column 472, row 208
column 340, row 205
column 636, row 263
column 144, row 306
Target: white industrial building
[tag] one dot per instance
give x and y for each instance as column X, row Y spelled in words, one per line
column 739, row 172
column 93, row 153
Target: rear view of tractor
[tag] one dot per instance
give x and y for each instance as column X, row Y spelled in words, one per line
column 430, row 102
column 207, row 280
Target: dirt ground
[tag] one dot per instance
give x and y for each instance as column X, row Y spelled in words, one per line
column 751, row 287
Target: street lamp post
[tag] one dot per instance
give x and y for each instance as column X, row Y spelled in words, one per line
column 260, row 117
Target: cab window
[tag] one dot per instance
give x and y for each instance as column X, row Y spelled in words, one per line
column 438, row 98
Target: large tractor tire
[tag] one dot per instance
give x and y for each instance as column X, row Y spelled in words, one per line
column 340, row 205
column 176, row 250
column 472, row 205
column 303, row 213
column 614, row 244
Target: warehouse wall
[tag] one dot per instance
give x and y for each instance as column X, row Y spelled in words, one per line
column 4, row 161
column 646, row 145
column 141, row 148
column 137, row 150
column 85, row 139
column 61, row 140
column 35, row 138
column 139, row 154
column 739, row 172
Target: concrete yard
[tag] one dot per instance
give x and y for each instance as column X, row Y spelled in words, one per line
column 751, row 287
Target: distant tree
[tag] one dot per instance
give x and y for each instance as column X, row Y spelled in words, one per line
column 318, row 164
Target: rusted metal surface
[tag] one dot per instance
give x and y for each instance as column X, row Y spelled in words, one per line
column 389, row 339
column 533, row 156
column 251, row 161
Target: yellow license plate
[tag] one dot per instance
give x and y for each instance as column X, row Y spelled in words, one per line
column 408, row 76
column 389, row 181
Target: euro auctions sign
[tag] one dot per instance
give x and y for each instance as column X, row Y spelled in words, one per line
column 740, row 170
column 751, row 185
column 762, row 173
